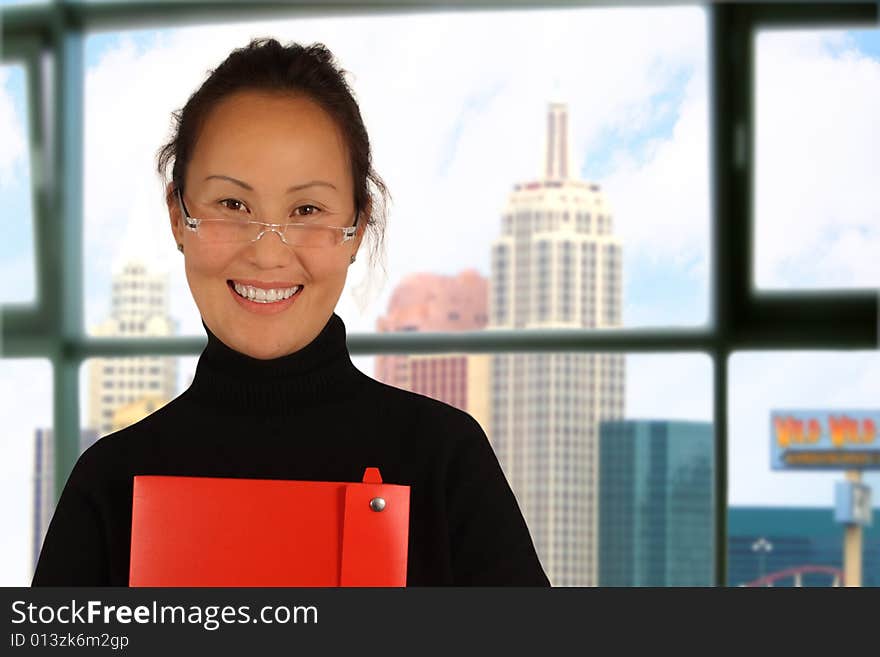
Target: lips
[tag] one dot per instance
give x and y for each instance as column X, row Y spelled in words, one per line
column 268, row 303
column 268, row 298
column 270, row 285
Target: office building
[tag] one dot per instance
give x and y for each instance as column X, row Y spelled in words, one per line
column 656, row 508
column 556, row 264
column 433, row 302
column 139, row 308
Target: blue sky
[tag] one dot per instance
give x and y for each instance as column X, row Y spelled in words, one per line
column 635, row 140
column 867, row 42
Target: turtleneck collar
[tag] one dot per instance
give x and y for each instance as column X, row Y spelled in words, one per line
column 322, row 370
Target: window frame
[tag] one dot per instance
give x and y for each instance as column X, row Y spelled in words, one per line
column 49, row 40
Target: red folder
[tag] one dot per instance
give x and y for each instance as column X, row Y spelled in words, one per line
column 206, row 531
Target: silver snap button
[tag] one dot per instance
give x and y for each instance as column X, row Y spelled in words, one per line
column 377, row 503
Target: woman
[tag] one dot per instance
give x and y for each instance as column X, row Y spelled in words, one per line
column 275, row 136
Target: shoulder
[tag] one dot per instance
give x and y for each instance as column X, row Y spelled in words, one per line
column 115, row 451
column 451, row 439
column 428, row 415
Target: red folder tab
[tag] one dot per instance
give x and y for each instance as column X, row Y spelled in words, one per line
column 376, row 515
column 206, row 531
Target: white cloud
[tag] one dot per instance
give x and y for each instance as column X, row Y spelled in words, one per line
column 19, row 268
column 663, row 197
column 818, row 164
column 12, row 129
column 669, row 387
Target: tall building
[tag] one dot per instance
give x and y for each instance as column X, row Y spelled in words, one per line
column 656, row 509
column 433, row 302
column 556, row 264
column 786, row 541
column 135, row 411
column 44, row 482
column 139, row 307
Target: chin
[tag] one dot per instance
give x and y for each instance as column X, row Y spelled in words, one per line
column 263, row 353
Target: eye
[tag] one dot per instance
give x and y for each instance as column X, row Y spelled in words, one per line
column 314, row 209
column 232, row 204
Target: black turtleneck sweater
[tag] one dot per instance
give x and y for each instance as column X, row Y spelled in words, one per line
column 310, row 415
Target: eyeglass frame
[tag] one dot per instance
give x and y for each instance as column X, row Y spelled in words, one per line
column 348, row 232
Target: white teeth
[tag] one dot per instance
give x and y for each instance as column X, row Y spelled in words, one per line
column 260, row 295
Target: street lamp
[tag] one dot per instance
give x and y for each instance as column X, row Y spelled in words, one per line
column 762, row 547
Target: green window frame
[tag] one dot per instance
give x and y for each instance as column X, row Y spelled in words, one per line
column 48, row 40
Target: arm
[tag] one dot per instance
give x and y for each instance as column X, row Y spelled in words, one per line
column 489, row 539
column 74, row 551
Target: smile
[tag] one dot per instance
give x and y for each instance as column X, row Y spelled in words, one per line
column 262, row 301
column 261, row 295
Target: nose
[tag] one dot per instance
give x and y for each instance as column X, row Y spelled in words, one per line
column 274, row 229
column 270, row 249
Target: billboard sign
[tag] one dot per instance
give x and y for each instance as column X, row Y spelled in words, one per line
column 824, row 440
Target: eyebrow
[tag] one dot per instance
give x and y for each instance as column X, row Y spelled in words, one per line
column 294, row 188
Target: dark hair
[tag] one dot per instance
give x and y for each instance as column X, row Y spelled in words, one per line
column 265, row 65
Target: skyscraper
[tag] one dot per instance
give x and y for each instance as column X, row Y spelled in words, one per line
column 656, row 509
column 433, row 302
column 556, row 264
column 139, row 307
column 44, row 482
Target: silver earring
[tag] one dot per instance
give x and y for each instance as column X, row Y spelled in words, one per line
column 352, row 259
column 180, row 247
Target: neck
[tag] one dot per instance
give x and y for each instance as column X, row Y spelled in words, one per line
column 322, row 370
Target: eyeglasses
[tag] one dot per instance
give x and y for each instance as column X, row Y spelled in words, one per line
column 236, row 231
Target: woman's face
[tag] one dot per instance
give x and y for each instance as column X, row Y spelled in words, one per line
column 272, row 158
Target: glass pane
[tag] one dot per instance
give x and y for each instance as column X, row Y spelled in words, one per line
column 793, row 510
column 27, row 469
column 610, row 456
column 530, row 152
column 17, row 246
column 817, row 221
column 117, row 392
